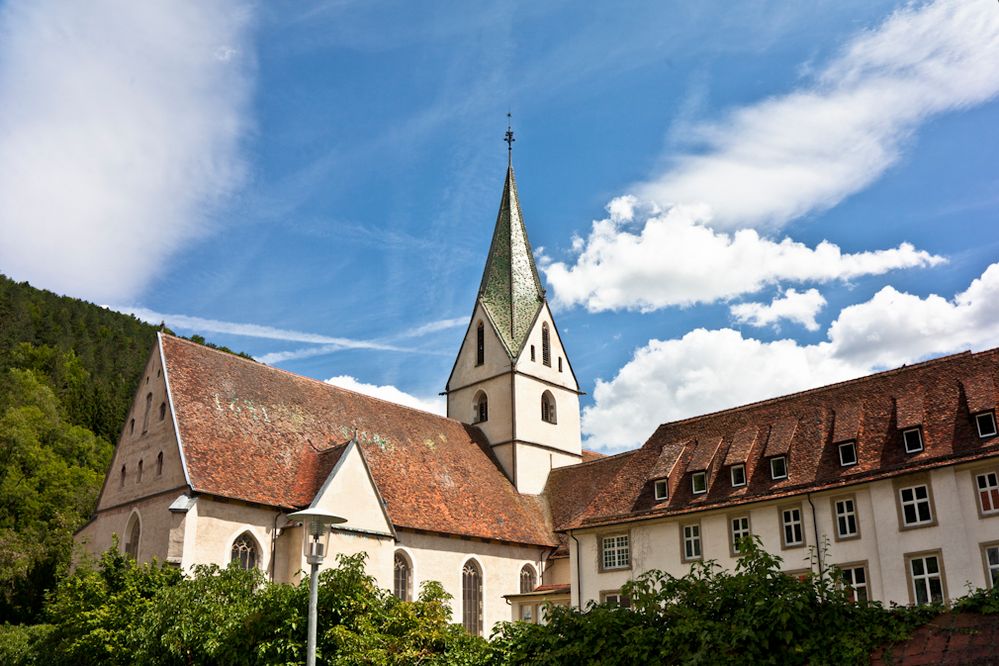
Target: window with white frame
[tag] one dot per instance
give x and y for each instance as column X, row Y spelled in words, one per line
column 986, row 423
column 848, row 454
column 913, row 440
column 662, row 489
column 739, row 531
column 615, row 551
column 991, row 553
column 778, row 467
column 699, row 483
column 916, row 508
column 846, row 517
column 988, row 491
column 738, row 473
column 855, row 580
column 926, row 578
column 692, row 541
column 792, row 532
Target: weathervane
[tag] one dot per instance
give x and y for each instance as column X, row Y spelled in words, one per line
column 509, row 139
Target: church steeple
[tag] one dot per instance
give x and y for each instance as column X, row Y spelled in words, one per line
column 511, row 290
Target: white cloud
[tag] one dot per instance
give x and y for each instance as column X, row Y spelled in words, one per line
column 676, row 260
column 709, row 370
column 120, row 130
column 796, row 306
column 781, row 158
column 434, row 327
column 434, row 405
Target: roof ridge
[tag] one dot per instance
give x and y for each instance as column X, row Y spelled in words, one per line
column 825, row 387
column 258, row 364
column 605, row 458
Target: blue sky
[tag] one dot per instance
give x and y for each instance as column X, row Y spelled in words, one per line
column 729, row 201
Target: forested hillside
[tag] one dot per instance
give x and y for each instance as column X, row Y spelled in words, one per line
column 68, row 372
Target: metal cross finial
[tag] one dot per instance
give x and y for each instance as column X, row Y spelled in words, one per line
column 509, row 140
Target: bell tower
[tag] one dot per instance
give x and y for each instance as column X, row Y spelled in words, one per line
column 512, row 377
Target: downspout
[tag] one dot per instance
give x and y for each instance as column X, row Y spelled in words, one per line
column 274, row 535
column 815, row 530
column 579, row 572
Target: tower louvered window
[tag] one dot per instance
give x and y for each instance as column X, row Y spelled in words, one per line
column 480, row 344
column 548, row 407
column 471, row 597
column 546, row 347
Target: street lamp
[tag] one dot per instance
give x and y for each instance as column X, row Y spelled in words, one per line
column 317, row 536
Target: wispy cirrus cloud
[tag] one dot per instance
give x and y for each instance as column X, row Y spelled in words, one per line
column 776, row 160
column 120, row 134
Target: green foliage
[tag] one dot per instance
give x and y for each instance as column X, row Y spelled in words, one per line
column 756, row 614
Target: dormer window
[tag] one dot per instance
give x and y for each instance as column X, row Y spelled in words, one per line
column 913, row 440
column 738, row 474
column 986, row 423
column 480, row 344
column 662, row 490
column 546, row 347
column 699, row 483
column 778, row 468
column 848, row 454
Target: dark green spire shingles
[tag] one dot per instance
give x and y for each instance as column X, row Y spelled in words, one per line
column 511, row 290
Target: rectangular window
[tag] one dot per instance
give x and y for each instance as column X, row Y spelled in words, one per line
column 913, row 439
column 738, row 475
column 692, row 541
column 926, row 577
column 560, row 364
column 848, row 454
column 855, row 580
column 662, row 489
column 740, row 530
column 527, row 613
column 616, row 552
column 791, row 531
column 991, row 554
column 616, row 598
column 699, row 483
column 986, row 423
column 916, row 505
column 846, row 518
column 988, row 492
column 778, row 468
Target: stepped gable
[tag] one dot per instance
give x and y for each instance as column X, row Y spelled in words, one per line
column 258, row 434
column 803, row 426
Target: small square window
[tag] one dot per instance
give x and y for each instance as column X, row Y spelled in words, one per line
column 986, row 422
column 778, row 467
column 913, row 439
column 699, row 483
column 848, row 454
column 738, row 475
column 662, row 489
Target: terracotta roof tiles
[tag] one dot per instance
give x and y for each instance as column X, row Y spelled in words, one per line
column 742, row 445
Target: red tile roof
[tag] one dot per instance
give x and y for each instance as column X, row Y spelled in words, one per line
column 938, row 395
column 951, row 638
column 571, row 489
column 263, row 435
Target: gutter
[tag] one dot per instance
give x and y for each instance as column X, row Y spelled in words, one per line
column 815, row 530
column 579, row 573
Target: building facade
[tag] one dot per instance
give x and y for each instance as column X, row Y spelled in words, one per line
column 891, row 478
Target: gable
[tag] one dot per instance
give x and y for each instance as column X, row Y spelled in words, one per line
column 496, row 355
column 566, row 377
column 350, row 492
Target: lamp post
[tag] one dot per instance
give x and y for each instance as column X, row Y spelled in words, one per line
column 317, row 536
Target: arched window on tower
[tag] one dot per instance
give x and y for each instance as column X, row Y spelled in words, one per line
column 528, row 579
column 245, row 551
column 480, row 408
column 402, row 586
column 548, row 407
column 471, row 597
column 134, row 531
column 546, row 345
column 480, row 344
column 145, row 418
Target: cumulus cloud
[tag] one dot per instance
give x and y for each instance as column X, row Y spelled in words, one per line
column 120, row 131
column 434, row 405
column 797, row 306
column 673, row 258
column 709, row 370
column 774, row 161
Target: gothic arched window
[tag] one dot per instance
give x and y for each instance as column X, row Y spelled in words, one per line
column 145, row 418
column 122, row 482
column 162, row 411
column 548, row 407
column 245, row 551
column 528, row 579
column 139, row 479
column 159, row 464
column 546, row 345
column 480, row 344
column 481, row 408
column 403, row 577
column 134, row 531
column 471, row 597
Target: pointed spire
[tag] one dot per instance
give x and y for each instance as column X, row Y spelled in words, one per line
column 511, row 290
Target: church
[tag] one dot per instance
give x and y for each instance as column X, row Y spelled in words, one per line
column 890, row 480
